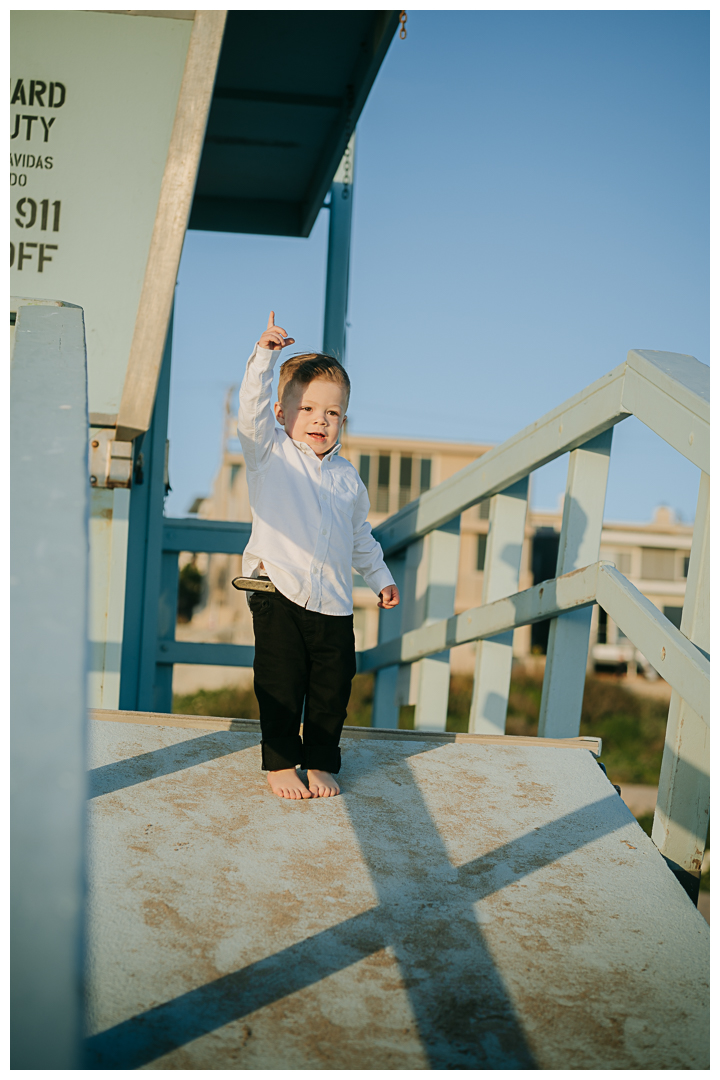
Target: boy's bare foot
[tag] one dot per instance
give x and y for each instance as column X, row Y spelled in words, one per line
column 286, row 784
column 322, row 784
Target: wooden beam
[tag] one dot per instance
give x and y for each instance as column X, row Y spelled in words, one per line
column 220, row 723
column 681, row 663
column 569, row 637
column 176, row 192
column 571, row 424
column 542, row 601
column 215, row 537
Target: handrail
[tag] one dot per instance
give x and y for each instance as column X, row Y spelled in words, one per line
column 668, row 392
column 685, row 667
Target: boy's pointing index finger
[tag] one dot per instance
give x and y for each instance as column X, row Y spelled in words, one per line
column 271, row 320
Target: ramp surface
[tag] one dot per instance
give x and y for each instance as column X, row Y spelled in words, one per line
column 460, row 905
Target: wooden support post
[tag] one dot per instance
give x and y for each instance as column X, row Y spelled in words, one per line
column 683, row 803
column 167, row 619
column 176, row 194
column 49, row 492
column 145, row 545
column 501, row 577
column 430, row 596
column 386, row 703
column 569, row 638
column 338, row 255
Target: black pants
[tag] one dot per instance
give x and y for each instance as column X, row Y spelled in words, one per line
column 301, row 658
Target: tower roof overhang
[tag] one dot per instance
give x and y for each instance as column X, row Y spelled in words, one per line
column 289, row 90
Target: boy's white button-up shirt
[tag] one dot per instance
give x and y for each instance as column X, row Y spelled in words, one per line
column 310, row 524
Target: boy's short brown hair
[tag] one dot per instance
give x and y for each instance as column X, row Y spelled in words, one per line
column 300, row 370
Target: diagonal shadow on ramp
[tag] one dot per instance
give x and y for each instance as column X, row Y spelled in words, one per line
column 163, row 761
column 464, row 1014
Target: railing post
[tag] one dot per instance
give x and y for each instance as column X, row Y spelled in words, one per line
column 569, row 638
column 48, row 635
column 338, row 255
column 430, row 596
column 386, row 702
column 501, row 577
column 147, row 498
column 683, row 803
column 167, row 619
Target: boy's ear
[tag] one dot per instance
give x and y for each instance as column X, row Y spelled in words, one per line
column 279, row 414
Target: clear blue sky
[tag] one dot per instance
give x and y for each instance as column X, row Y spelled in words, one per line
column 531, row 201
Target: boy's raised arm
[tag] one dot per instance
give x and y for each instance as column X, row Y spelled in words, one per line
column 256, row 419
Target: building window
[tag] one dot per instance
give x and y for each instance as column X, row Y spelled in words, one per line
column 425, row 470
column 484, row 510
column 623, row 561
column 406, row 471
column 545, row 547
column 234, row 470
column 658, row 564
column 686, row 565
column 365, row 469
column 673, row 615
column 481, row 550
column 602, row 632
column 382, row 496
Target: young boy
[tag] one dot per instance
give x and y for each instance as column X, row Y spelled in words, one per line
column 309, row 530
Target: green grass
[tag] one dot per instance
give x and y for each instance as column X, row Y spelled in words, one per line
column 632, row 728
column 232, row 702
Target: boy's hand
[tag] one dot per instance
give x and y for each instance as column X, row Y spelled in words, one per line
column 389, row 597
column 274, row 337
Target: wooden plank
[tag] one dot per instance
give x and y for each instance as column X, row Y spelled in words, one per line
column 595, row 409
column 531, row 605
column 216, row 723
column 571, row 424
column 204, row 652
column 569, row 639
column 386, row 701
column 671, row 397
column 501, row 577
column 215, row 537
column 434, row 599
column 684, row 666
column 683, row 804
column 176, row 193
column 680, row 376
column 49, row 494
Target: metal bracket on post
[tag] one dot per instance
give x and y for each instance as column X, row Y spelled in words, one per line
column 501, row 577
column 110, row 461
column 683, row 804
column 569, row 638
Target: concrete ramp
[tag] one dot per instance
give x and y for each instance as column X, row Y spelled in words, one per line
column 465, row 904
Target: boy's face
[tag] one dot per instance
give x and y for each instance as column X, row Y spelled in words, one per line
column 313, row 414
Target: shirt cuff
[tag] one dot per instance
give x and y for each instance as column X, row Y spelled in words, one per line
column 267, row 357
column 378, row 579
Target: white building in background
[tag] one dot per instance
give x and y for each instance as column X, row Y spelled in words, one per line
column 654, row 556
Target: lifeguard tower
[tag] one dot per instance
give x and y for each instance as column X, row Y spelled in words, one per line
column 524, row 922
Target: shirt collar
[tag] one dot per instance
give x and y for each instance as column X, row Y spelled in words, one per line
column 305, row 449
